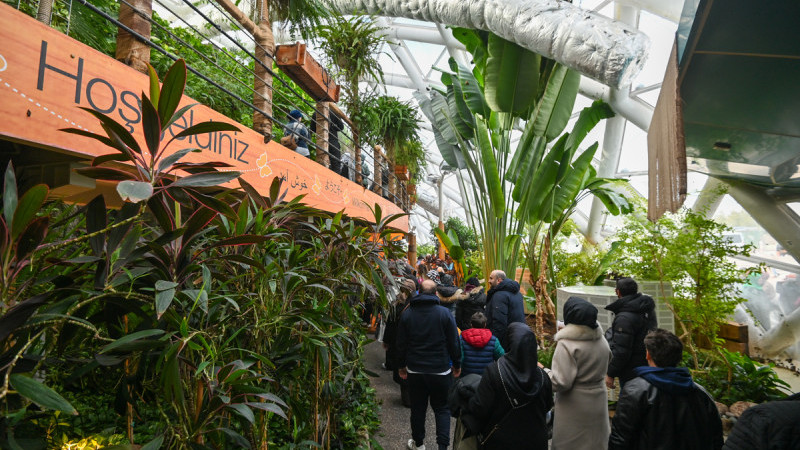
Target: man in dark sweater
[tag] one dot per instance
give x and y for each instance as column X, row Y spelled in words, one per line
column 634, row 316
column 427, row 345
column 663, row 408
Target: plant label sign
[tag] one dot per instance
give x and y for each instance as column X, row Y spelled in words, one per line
column 45, row 76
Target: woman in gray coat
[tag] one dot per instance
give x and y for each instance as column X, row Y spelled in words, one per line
column 578, row 375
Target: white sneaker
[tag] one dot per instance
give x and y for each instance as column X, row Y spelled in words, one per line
column 413, row 445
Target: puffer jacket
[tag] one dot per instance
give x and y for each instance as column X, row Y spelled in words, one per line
column 771, row 425
column 504, row 306
column 478, row 349
column 634, row 316
column 475, row 302
column 665, row 411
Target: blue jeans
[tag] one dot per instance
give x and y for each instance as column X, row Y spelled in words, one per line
column 434, row 387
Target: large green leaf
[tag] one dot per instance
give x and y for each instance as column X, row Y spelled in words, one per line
column 165, row 293
column 571, row 184
column 27, row 207
column 542, row 182
column 587, row 120
column 155, row 92
column 555, row 107
column 131, row 338
column 151, row 126
column 206, row 127
column 512, row 76
column 171, row 91
column 493, row 184
column 9, row 195
column 40, row 394
column 471, row 91
column 207, row 179
column 134, row 191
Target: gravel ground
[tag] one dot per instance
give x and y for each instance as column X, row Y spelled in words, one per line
column 395, row 428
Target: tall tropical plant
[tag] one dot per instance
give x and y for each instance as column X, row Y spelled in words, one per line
column 534, row 182
column 353, row 45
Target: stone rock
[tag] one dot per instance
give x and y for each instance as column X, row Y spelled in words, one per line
column 738, row 408
column 722, row 408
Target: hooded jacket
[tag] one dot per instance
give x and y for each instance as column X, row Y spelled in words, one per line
column 449, row 296
column 475, row 302
column 508, row 410
column 634, row 316
column 427, row 338
column 664, row 409
column 503, row 307
column 478, row 349
column 767, row 426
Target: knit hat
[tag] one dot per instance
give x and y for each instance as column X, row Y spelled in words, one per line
column 434, row 275
column 296, row 114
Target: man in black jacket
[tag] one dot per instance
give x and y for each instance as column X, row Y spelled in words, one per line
column 504, row 305
column 768, row 426
column 662, row 408
column 427, row 345
column 634, row 316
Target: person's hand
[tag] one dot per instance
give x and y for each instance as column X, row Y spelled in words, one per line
column 457, row 372
column 403, row 373
column 540, row 364
column 610, row 382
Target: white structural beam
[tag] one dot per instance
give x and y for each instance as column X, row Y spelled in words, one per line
column 612, row 139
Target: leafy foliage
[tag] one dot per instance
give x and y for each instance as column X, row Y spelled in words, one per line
column 692, row 253
column 735, row 377
column 205, row 317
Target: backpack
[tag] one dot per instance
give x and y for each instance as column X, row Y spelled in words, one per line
column 290, row 140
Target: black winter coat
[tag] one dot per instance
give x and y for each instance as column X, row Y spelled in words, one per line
column 649, row 419
column 768, row 426
column 427, row 338
column 476, row 302
column 522, row 429
column 634, row 316
column 504, row 306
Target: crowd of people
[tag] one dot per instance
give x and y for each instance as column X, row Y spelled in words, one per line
column 469, row 354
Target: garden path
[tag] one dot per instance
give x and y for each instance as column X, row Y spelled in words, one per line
column 395, row 430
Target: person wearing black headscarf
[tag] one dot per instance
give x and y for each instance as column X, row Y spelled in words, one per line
column 509, row 408
column 578, row 375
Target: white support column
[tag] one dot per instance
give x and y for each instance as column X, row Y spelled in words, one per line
column 612, row 139
column 456, row 51
column 405, row 58
column 709, row 199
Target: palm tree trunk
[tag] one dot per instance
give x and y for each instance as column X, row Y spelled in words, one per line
column 265, row 51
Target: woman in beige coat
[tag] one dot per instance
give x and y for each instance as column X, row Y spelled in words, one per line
column 578, row 376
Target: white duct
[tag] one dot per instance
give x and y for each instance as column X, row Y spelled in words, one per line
column 606, row 50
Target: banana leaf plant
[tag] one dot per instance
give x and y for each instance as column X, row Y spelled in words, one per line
column 450, row 242
column 503, row 120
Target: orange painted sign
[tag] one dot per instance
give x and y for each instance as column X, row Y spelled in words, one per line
column 45, row 76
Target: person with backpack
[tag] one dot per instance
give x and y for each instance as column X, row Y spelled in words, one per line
column 296, row 136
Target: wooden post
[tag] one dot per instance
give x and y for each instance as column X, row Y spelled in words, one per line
column 378, row 173
column 262, row 92
column 323, row 133
column 130, row 49
column 265, row 50
column 412, row 249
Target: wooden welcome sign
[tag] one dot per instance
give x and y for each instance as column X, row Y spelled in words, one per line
column 45, row 76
